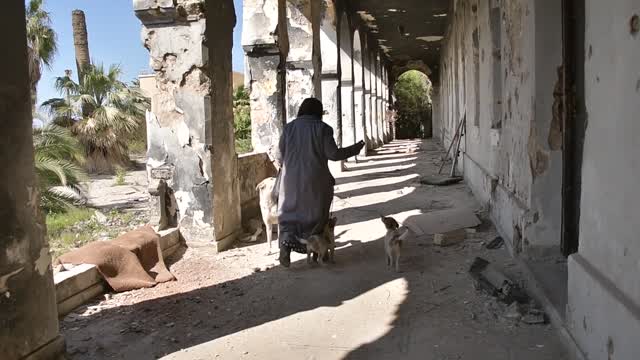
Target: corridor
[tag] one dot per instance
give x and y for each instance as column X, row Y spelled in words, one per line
column 240, row 304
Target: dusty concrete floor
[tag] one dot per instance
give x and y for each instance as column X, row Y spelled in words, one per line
column 241, row 305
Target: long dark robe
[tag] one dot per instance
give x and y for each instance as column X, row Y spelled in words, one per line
column 306, row 187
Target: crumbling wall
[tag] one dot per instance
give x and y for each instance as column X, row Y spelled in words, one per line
column 263, row 46
column 499, row 60
column 190, row 125
column 28, row 315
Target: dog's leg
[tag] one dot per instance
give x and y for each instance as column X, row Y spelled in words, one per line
column 269, row 229
column 397, row 256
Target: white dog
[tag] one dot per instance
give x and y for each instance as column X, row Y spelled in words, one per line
column 268, row 207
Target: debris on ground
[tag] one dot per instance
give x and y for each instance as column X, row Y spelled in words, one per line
column 534, row 317
column 450, row 238
column 492, row 280
column 440, row 180
column 495, row 243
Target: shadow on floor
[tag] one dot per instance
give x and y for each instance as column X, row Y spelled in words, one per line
column 431, row 314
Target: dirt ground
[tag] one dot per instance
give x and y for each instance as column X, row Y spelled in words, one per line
column 241, row 304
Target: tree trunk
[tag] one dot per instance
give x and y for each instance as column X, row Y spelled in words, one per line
column 80, row 41
column 35, row 74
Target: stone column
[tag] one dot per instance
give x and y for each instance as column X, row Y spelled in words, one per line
column 367, row 100
column 348, row 123
column 303, row 59
column 330, row 79
column 358, row 94
column 28, row 313
column 387, row 132
column 263, row 73
column 374, row 101
column 380, row 125
column 190, row 125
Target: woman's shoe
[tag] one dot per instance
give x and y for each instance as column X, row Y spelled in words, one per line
column 285, row 257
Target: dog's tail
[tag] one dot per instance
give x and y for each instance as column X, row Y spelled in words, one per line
column 302, row 241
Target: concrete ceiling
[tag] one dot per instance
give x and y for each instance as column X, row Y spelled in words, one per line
column 408, row 31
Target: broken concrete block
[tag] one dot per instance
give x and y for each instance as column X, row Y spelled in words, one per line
column 492, row 280
column 495, row 243
column 534, row 317
column 450, row 238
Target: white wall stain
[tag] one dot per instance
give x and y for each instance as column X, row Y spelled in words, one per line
column 183, row 199
column 43, row 262
column 430, row 38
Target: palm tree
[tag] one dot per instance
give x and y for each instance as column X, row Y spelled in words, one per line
column 80, row 41
column 102, row 112
column 57, row 155
column 41, row 41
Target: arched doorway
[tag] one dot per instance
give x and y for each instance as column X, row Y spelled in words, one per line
column 412, row 90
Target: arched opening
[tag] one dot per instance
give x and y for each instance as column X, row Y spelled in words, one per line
column 358, row 90
column 413, row 105
column 346, row 82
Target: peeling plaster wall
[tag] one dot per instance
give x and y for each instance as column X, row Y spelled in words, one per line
column 303, row 65
column 28, row 315
column 604, row 289
column 263, row 48
column 507, row 160
column 190, row 125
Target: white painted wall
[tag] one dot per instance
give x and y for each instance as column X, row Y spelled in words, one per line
column 604, row 290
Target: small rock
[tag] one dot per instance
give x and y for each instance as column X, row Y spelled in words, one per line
column 170, row 325
column 174, row 340
column 257, row 269
column 197, row 322
column 108, row 297
column 100, row 217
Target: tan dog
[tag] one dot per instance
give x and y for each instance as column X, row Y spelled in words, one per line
column 393, row 241
column 323, row 244
column 268, row 207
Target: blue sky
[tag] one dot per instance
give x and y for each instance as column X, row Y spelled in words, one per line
column 114, row 38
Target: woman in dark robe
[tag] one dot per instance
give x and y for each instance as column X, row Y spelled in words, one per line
column 306, row 184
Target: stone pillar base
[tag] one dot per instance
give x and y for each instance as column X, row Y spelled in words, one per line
column 53, row 350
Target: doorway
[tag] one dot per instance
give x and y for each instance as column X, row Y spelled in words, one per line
column 574, row 120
